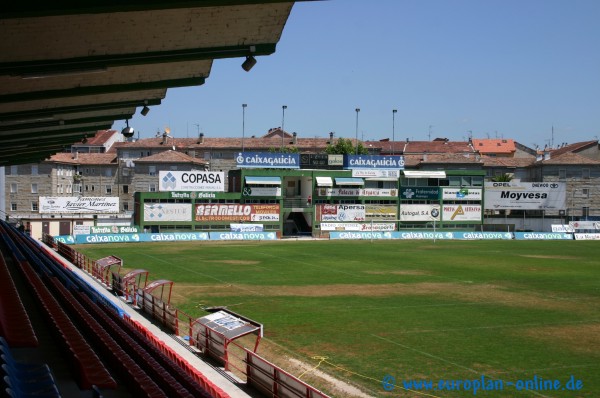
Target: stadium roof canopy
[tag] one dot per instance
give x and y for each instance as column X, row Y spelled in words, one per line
column 69, row 69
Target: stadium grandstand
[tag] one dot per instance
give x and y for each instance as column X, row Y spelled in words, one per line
column 60, row 335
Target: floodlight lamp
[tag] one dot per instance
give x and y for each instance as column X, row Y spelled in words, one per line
column 127, row 131
column 249, row 63
column 145, row 110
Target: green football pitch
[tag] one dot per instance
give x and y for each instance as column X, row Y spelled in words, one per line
column 515, row 317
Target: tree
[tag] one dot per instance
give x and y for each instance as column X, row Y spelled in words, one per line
column 503, row 178
column 285, row 149
column 344, row 146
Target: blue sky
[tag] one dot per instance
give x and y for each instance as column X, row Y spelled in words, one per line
column 452, row 68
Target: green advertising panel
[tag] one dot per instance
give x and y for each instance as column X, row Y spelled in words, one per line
column 418, row 193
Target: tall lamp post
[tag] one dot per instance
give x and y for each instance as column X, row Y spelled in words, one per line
column 243, row 124
column 357, row 110
column 393, row 128
column 283, row 108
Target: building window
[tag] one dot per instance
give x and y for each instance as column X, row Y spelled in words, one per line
column 14, row 170
column 87, row 188
column 125, row 188
column 34, row 206
column 108, row 173
column 585, row 173
column 34, row 188
column 92, row 188
column 70, row 188
column 562, row 174
column 77, row 188
column 59, row 188
column 585, row 212
column 152, row 188
column 152, row 170
column 125, row 206
column 13, row 207
column 13, row 187
column 125, row 172
column 108, row 189
column 34, row 169
column 173, row 168
column 585, row 192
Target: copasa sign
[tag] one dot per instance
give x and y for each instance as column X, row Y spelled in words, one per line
column 172, row 180
column 373, row 162
column 266, row 160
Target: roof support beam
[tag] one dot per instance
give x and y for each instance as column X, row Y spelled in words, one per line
column 98, row 64
column 46, row 113
column 95, row 90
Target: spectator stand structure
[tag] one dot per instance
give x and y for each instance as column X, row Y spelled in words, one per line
column 222, row 335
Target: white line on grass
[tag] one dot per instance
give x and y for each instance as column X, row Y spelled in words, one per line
column 444, row 360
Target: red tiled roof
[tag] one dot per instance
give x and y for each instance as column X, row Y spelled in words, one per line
column 575, row 147
column 490, row 161
column 484, row 146
column 99, row 139
column 277, row 132
column 412, row 160
column 250, row 144
column 569, row 158
column 170, row 156
column 84, row 158
column 417, row 147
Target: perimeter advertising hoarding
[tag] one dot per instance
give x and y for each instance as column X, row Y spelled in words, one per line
column 236, row 212
column 261, row 191
column 525, row 195
column 562, row 228
column 420, row 212
column 461, row 194
column 420, row 193
column 461, row 213
column 208, row 181
column 579, row 236
column 160, row 212
column 321, row 161
column 246, row 227
column 421, row 235
column 266, row 160
column 78, row 204
column 341, row 213
column 380, row 212
column 584, row 225
column 165, row 237
column 357, row 192
column 346, row 226
column 376, row 173
column 373, row 162
column 113, row 229
column 543, row 236
column 135, row 238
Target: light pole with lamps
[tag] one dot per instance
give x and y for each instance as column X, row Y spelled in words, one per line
column 283, row 108
column 393, row 128
column 243, row 124
column 357, row 110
